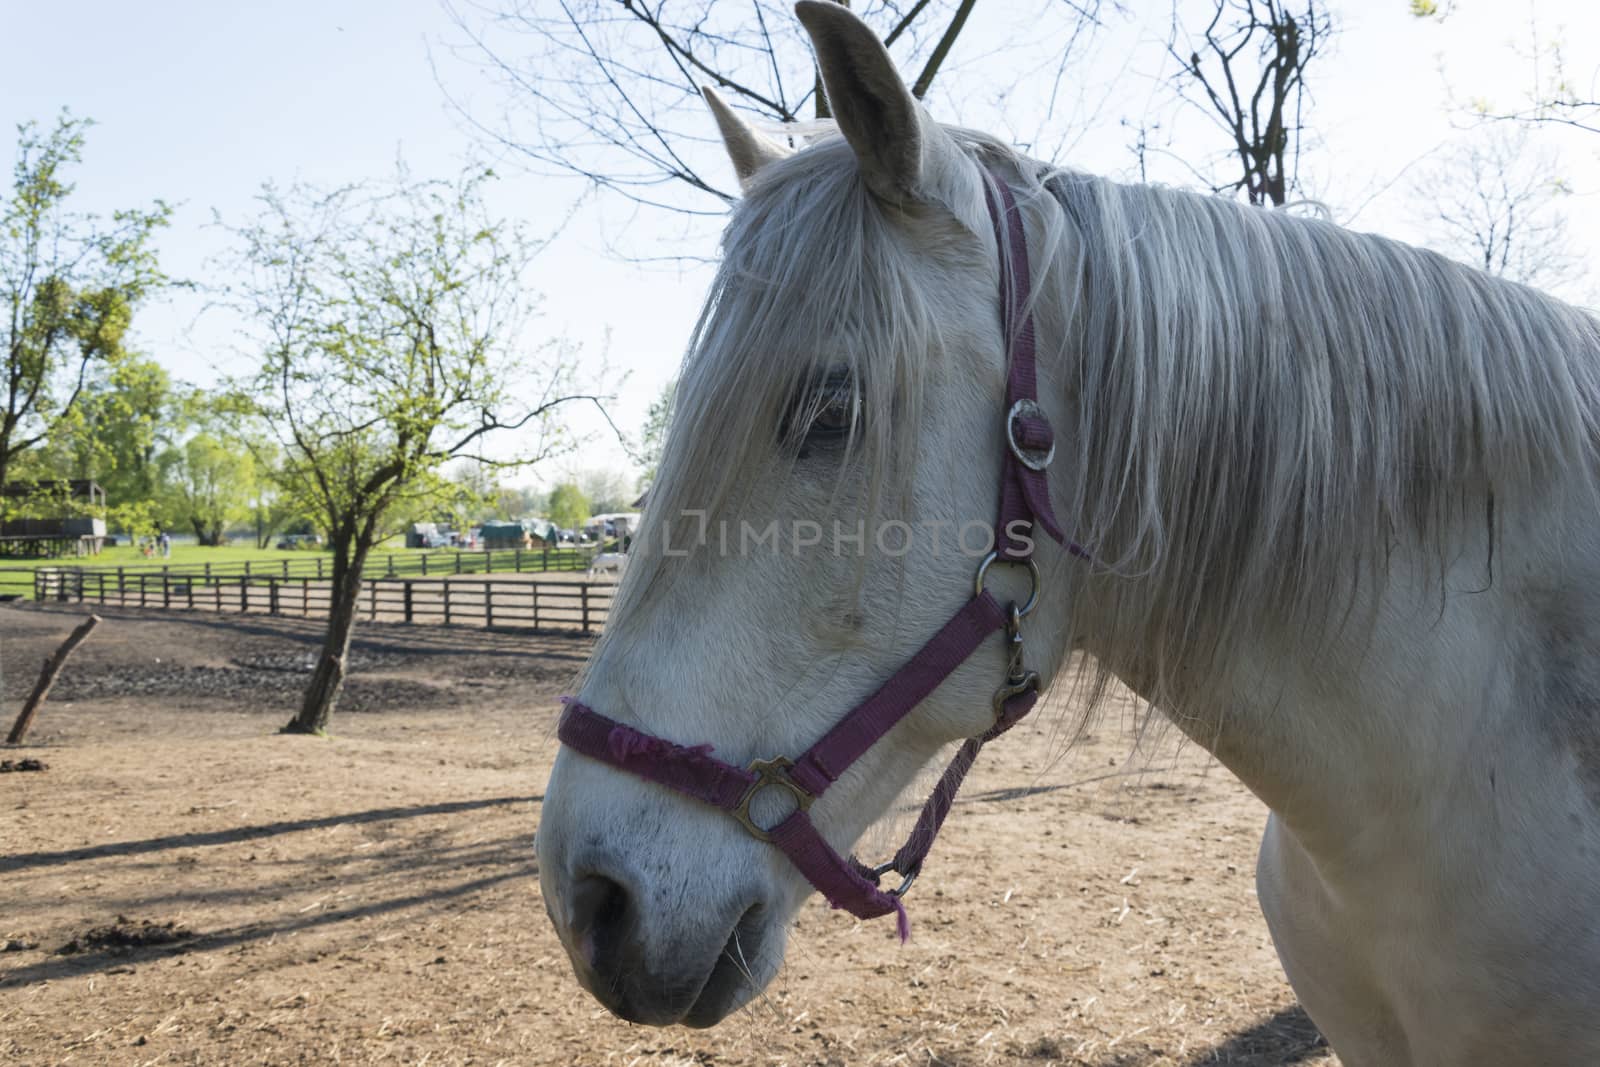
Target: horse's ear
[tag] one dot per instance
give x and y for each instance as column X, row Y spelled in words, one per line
column 747, row 147
column 875, row 111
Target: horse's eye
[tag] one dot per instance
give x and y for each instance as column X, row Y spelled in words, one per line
column 824, row 411
column 837, row 408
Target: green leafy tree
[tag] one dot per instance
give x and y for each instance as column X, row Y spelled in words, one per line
column 568, row 508
column 70, row 283
column 606, row 491
column 124, row 419
column 271, row 510
column 475, row 489
column 213, row 482
column 389, row 321
column 213, row 478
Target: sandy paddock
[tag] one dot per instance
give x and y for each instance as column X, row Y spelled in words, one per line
column 182, row 885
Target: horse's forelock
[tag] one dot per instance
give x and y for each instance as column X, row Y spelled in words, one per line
column 815, row 278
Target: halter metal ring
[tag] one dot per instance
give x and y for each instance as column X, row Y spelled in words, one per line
column 1032, row 458
column 905, row 879
column 1033, row 575
column 769, row 773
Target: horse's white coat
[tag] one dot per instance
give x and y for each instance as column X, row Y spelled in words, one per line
column 1342, row 498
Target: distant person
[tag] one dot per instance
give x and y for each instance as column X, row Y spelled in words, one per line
column 166, row 545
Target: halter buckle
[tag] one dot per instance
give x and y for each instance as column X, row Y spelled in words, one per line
column 769, row 773
column 1035, row 459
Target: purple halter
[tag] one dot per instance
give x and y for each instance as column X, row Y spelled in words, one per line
column 1024, row 500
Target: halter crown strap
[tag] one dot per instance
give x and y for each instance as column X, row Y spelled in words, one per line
column 1030, row 440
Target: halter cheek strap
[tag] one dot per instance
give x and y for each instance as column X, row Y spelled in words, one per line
column 1024, row 502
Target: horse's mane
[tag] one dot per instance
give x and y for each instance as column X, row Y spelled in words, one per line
column 1266, row 406
column 1259, row 403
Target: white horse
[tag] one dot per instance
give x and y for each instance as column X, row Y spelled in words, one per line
column 607, row 563
column 1340, row 498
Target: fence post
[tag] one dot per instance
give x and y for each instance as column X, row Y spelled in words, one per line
column 247, row 568
column 166, row 589
column 585, row 588
column 286, row 566
column 406, row 595
column 190, row 587
column 446, row 588
column 244, row 594
column 208, row 572
column 272, row 594
column 535, row 604
column 458, row 562
column 319, row 568
column 516, row 561
column 120, row 586
column 372, row 601
column 144, row 584
column 424, row 563
column 545, row 565
column 391, row 569
column 488, row 561
column 488, row 605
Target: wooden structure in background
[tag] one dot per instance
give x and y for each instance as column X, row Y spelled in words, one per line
column 49, row 536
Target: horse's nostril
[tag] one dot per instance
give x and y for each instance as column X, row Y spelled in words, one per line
column 600, row 911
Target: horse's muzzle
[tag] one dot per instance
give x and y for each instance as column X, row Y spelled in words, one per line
column 600, row 922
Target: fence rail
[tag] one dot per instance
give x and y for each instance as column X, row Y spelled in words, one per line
column 506, row 603
column 20, row 580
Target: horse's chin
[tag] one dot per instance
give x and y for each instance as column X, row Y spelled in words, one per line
column 741, row 972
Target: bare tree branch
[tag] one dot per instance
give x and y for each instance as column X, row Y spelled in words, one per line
column 609, row 90
column 1265, row 126
column 1494, row 202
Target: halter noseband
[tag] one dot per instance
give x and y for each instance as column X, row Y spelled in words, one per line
column 1024, row 500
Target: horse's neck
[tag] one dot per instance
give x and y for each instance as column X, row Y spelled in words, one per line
column 1450, row 663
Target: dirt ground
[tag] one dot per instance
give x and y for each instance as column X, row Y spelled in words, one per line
column 183, row 885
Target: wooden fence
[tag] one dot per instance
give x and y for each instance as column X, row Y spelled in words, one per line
column 494, row 603
column 20, row 580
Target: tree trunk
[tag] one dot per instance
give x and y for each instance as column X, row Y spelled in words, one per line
column 211, row 537
column 327, row 681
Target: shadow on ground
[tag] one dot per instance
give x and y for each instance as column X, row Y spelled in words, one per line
column 456, row 870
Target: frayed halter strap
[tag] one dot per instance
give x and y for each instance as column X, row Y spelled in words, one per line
column 1024, row 502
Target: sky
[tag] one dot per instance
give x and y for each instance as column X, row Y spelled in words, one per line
column 199, row 103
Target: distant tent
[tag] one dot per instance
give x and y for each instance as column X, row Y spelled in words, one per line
column 505, row 535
